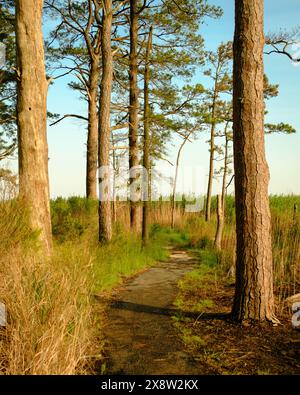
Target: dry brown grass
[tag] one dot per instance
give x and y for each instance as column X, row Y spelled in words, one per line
column 49, row 320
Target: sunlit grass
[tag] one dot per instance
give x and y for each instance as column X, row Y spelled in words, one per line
column 50, row 302
column 122, row 258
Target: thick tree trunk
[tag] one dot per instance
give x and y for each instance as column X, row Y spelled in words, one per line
column 133, row 112
column 105, row 223
column 92, row 140
column 32, row 117
column 146, row 161
column 254, row 277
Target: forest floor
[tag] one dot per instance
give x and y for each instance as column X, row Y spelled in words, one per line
column 161, row 322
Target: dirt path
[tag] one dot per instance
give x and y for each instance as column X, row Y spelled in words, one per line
column 141, row 338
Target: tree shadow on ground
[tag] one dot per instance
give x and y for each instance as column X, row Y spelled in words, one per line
column 167, row 311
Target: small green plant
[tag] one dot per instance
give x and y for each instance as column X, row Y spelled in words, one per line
column 191, row 341
column 103, row 368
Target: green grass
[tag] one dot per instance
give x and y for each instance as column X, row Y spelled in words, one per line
column 123, row 258
column 195, row 290
column 191, row 341
column 75, row 229
column 169, row 236
column 196, row 286
column 72, row 218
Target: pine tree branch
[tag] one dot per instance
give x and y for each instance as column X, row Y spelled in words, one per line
column 69, row 116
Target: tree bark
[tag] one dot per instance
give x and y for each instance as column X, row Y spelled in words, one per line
column 32, row 118
column 211, row 171
column 114, row 194
column 105, row 223
column 254, row 274
column 133, row 111
column 212, row 147
column 92, row 140
column 220, row 226
column 146, row 161
column 225, row 171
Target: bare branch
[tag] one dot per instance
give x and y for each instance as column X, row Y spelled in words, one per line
column 281, row 43
column 232, row 178
column 69, row 116
column 7, row 152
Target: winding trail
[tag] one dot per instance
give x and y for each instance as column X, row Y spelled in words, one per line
column 141, row 338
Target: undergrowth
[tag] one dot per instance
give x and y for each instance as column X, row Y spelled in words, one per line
column 52, row 326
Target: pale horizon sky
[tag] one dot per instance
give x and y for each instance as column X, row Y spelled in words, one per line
column 67, row 140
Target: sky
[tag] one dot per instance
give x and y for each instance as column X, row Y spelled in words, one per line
column 283, row 151
column 67, row 140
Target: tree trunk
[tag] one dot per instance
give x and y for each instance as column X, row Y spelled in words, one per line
column 175, row 179
column 254, row 276
column 174, row 194
column 105, row 223
column 114, row 196
column 133, row 112
column 225, row 171
column 220, row 226
column 212, row 143
column 212, row 148
column 92, row 141
column 146, row 161
column 211, row 173
column 32, row 117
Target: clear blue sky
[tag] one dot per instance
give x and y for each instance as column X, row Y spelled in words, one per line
column 283, row 152
column 67, row 140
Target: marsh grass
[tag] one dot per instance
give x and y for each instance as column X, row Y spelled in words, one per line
column 285, row 214
column 48, row 328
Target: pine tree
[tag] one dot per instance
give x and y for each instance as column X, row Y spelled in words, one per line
column 254, row 274
column 32, row 118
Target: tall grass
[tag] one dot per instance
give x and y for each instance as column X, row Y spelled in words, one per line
column 51, row 317
column 51, row 327
column 122, row 258
column 286, row 245
column 285, row 235
column 48, row 328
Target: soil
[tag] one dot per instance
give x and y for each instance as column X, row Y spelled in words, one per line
column 141, row 337
column 248, row 349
